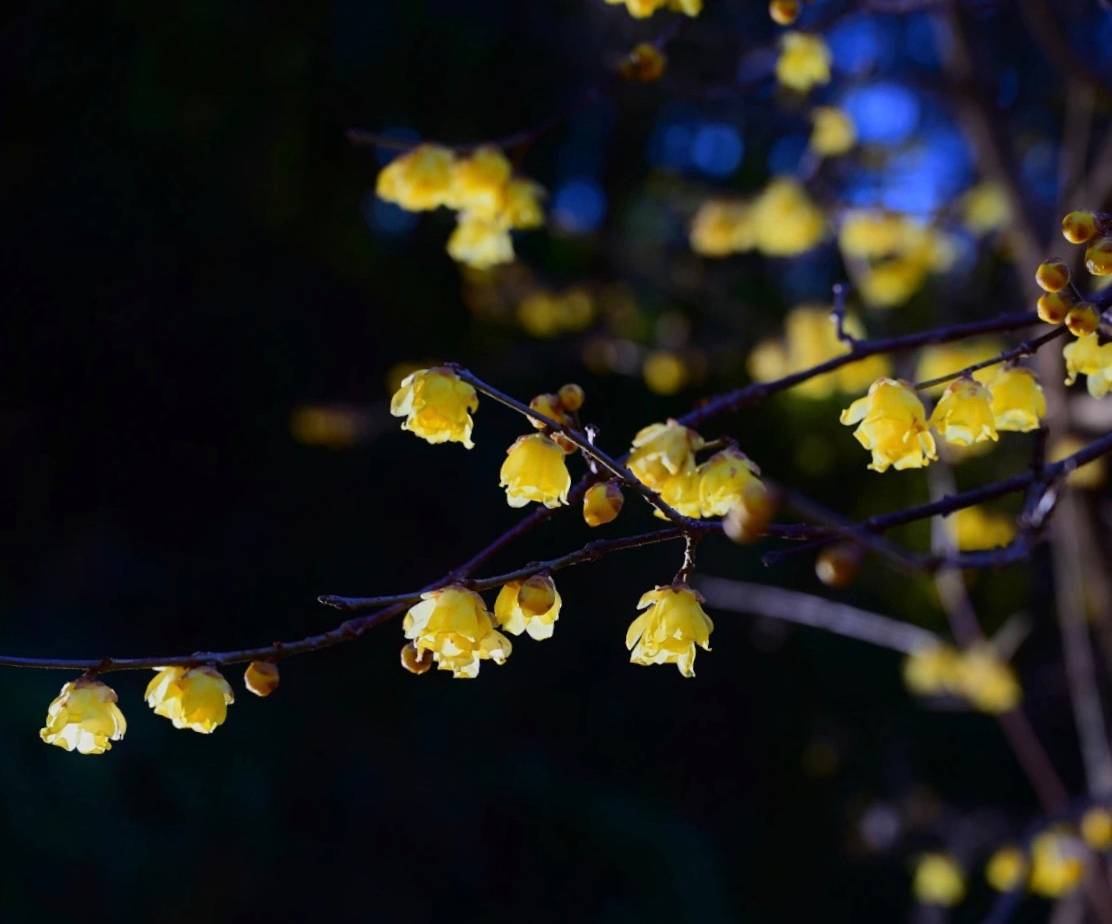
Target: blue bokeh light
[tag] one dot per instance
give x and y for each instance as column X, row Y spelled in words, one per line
column 579, row 205
column 717, row 149
column 786, row 154
column 386, row 218
column 884, row 113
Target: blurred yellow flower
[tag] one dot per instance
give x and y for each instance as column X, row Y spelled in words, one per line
column 1086, row 356
column 418, row 180
column 479, row 183
column 722, row 227
column 669, row 630
column 84, row 717
column 724, row 481
column 986, row 682
column 804, row 61
column 664, row 371
column 986, row 208
column 453, row 624
column 332, row 426
column 640, row 9
column 947, row 358
column 974, row 529
column 535, row 469
column 1096, row 828
column 1018, row 402
column 662, row 450
column 1057, row 864
column 532, row 606
column 892, row 424
column 196, row 698
column 938, row 880
column 832, row 131
column 547, row 314
column 437, row 406
column 785, row 220
column 1006, row 869
column 890, row 254
column 1089, row 476
column 963, row 415
column 480, row 242
column 931, row 670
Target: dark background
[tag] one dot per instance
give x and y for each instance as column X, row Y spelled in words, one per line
column 193, row 250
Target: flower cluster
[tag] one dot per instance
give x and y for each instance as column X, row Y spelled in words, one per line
column 890, row 255
column 782, row 221
column 488, row 199
column 974, row 674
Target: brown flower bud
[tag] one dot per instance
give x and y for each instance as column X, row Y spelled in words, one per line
column 602, row 503
column 571, row 397
column 748, row 519
column 1054, row 306
column 784, row 12
column 1098, row 257
column 838, row 564
column 1079, row 227
column 416, row 661
column 1082, row 319
column 261, row 677
column 1052, row 275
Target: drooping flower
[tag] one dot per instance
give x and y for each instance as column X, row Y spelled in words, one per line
column 1018, row 402
column 681, row 493
column 1087, row 357
column 1057, row 864
column 833, row 132
column 535, row 469
column 196, row 698
column 261, row 677
column 437, row 405
column 725, row 479
column 418, row 180
column 804, row 61
column 602, row 503
column 939, row 880
column 892, row 424
column 480, row 242
column 84, row 717
column 963, row 416
column 661, row 450
column 667, row 633
column 453, row 623
column 531, row 606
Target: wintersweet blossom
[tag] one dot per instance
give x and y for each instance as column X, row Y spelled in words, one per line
column 832, row 131
column 804, row 61
column 454, row 625
column 1086, row 356
column 974, row 529
column 196, row 698
column 1006, row 869
column 1018, row 402
column 480, row 242
column 721, row 227
column 535, row 469
column 532, row 606
column 84, row 717
column 786, row 222
column 891, row 255
column 963, row 416
column 437, row 406
column 977, row 675
column 724, row 480
column 1096, row 827
column 419, row 180
column 667, row 633
column 479, row 183
column 939, row 880
column 602, row 503
column 662, row 450
column 892, row 424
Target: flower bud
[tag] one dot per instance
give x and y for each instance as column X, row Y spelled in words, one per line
column 537, row 595
column 837, row 565
column 1079, row 227
column 564, row 443
column 644, row 64
column 1052, row 275
column 1054, row 306
column 1098, row 257
column 571, row 397
column 784, row 12
column 1082, row 319
column 550, row 406
column 602, row 503
column 261, row 677
column 748, row 519
column 415, row 660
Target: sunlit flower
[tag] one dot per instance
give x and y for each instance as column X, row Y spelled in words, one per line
column 986, row 682
column 892, row 424
column 1018, row 402
column 453, row 623
column 722, row 227
column 84, row 717
column 1006, row 869
column 833, row 132
column 785, row 220
column 535, row 469
column 963, row 415
column 939, row 880
column 418, row 180
column 681, row 493
column 974, row 529
column 1057, row 864
column 667, row 633
column 261, row 677
column 196, row 698
column 724, row 479
column 480, row 242
column 531, row 606
column 479, row 183
column 804, row 61
column 1087, row 357
column 437, row 406
column 662, row 450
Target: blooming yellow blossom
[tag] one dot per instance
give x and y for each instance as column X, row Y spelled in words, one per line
column 1096, row 828
column 479, row 183
column 522, row 206
column 724, row 480
column 892, row 424
column 931, row 670
column 667, row 633
column 261, row 677
column 602, row 503
column 681, row 493
column 453, row 624
column 1006, row 869
column 84, row 717
column 418, row 180
column 1057, row 864
column 832, row 132
column 939, row 880
column 531, row 606
column 196, row 698
column 986, row 208
column 974, row 529
column 535, row 469
column 963, row 415
column 721, row 227
column 869, row 234
column 785, row 220
column 640, row 9
column 662, row 450
column 1086, row 356
column 480, row 242
column 1018, row 402
column 804, row 61
column 437, row 406
column 986, row 682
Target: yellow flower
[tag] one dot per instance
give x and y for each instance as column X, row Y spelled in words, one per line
column 785, row 220
column 1018, row 402
column 974, row 529
column 1057, row 864
column 84, row 717
column 833, row 132
column 1096, row 828
column 479, row 183
column 724, row 480
column 804, row 61
column 639, row 9
column 532, row 606
column 890, row 254
column 602, row 503
column 261, row 677
column 986, row 208
column 1006, row 869
column 662, row 450
column 437, row 406
column 964, row 415
column 670, row 629
column 418, row 180
column 535, row 469
column 721, row 227
column 986, row 682
column 196, row 698
column 664, row 372
column 681, row 492
column 480, row 242
column 931, row 670
column 948, row 358
column 939, row 880
column 1086, row 356
column 892, row 425
column 453, row 623
column 522, row 208
column 869, row 234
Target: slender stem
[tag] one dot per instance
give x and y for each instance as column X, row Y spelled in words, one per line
column 1026, row 348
